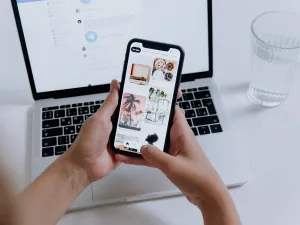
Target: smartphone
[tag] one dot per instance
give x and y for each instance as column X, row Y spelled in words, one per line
column 150, row 82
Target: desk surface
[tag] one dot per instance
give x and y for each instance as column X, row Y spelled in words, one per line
column 270, row 136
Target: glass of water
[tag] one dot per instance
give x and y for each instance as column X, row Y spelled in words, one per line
column 276, row 45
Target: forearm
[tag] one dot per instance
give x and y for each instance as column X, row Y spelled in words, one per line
column 47, row 199
column 219, row 209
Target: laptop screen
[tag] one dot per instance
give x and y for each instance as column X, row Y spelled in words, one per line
column 77, row 43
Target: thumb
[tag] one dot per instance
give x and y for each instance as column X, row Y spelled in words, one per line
column 109, row 106
column 156, row 157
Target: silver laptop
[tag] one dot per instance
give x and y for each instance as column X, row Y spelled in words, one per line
column 73, row 49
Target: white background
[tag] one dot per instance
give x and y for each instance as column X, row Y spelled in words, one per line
column 270, row 136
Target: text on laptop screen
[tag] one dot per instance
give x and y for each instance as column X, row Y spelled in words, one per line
column 77, row 43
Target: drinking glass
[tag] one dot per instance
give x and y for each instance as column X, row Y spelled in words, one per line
column 276, row 46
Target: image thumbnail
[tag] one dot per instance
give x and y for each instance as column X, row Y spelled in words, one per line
column 140, row 74
column 164, row 70
column 158, row 106
column 132, row 111
column 152, row 138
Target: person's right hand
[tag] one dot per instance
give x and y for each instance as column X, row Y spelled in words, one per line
column 187, row 167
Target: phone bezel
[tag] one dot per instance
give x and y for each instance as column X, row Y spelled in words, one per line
column 153, row 45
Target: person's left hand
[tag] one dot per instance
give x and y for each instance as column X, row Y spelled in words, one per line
column 91, row 149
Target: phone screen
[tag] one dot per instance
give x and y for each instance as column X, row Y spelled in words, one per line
column 147, row 97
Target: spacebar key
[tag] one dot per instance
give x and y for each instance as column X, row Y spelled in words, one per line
column 200, row 121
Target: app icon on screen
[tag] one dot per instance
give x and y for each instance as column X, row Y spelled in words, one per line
column 91, row 36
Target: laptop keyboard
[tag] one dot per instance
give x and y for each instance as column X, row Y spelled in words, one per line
column 61, row 125
column 200, row 111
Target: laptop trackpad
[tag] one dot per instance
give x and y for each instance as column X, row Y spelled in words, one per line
column 129, row 181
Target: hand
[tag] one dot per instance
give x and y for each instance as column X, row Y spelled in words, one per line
column 189, row 169
column 91, row 150
column 186, row 165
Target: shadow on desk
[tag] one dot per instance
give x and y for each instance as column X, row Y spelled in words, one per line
column 15, row 98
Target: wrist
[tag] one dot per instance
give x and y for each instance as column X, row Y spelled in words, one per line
column 74, row 172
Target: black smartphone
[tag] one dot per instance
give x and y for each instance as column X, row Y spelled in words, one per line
column 150, row 82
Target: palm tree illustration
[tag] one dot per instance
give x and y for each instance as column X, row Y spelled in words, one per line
column 130, row 105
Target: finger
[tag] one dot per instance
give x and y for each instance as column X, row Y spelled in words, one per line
column 179, row 115
column 156, row 157
column 132, row 160
column 109, row 106
column 179, row 95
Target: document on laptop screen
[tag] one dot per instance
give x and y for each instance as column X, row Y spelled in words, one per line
column 76, row 43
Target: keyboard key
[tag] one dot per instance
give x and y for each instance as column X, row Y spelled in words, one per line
column 52, row 132
column 72, row 112
column 83, row 110
column 210, row 106
column 94, row 108
column 190, row 122
column 188, row 96
column 196, row 104
column 68, row 106
column 189, row 90
column 79, row 104
column 179, row 100
column 74, row 105
column 47, row 115
column 73, row 138
column 207, row 120
column 78, row 128
column 216, row 128
column 195, row 131
column 59, row 150
column 50, row 108
column 202, row 94
column 46, row 152
column 190, row 113
column 62, row 106
column 102, row 101
column 87, row 116
column 97, row 102
column 183, row 91
column 66, row 121
column 59, row 113
column 78, row 120
column 69, row 130
column 201, row 112
column 204, row 130
column 50, row 123
column 184, row 105
column 69, row 146
column 48, row 142
column 202, row 88
column 63, row 140
column 89, row 103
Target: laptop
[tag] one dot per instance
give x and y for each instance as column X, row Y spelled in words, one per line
column 72, row 51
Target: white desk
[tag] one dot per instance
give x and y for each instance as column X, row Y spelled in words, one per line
column 271, row 136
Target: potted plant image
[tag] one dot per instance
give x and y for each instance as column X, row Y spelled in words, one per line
column 151, row 139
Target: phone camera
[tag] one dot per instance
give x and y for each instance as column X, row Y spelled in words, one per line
column 136, row 49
